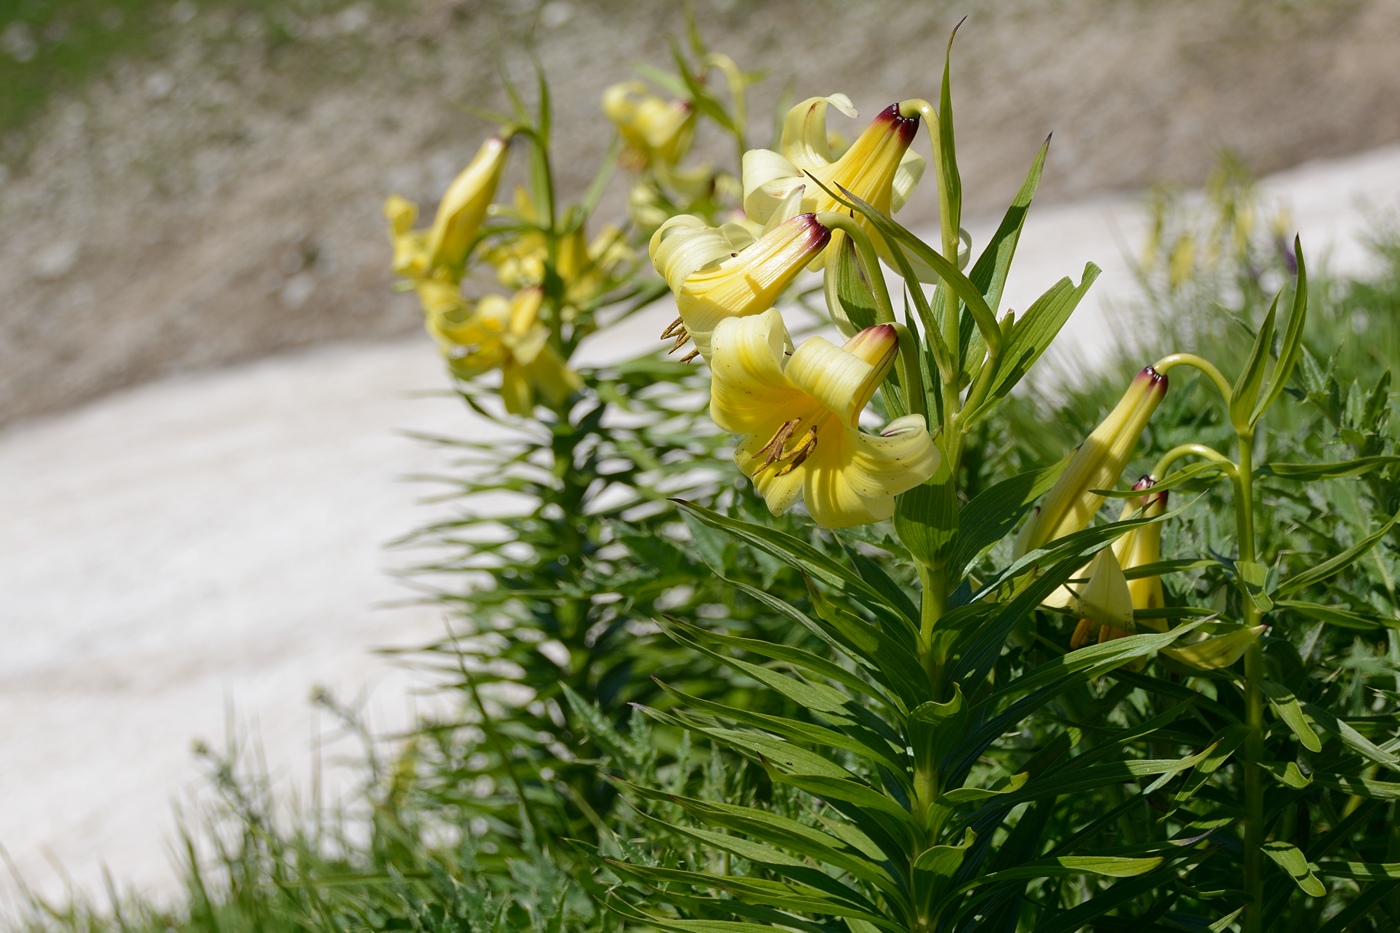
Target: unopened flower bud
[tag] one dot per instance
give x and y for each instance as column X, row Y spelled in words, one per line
column 463, row 207
column 1097, row 464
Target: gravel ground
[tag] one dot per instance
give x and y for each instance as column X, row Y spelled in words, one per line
column 214, row 540
column 221, row 200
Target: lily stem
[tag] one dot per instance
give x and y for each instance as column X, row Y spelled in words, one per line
column 1253, row 698
column 1173, row 360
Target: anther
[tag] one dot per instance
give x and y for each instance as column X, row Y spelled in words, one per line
column 801, row 452
column 672, row 329
column 774, row 447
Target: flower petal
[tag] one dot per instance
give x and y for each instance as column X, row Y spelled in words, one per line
column 749, row 394
column 768, row 179
column 686, row 244
column 804, row 141
column 894, row 461
column 831, row 498
column 778, row 489
column 835, row 378
column 906, row 177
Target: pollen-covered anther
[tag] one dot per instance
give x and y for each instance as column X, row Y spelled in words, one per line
column 681, row 338
column 773, row 450
column 800, row 452
column 690, row 357
column 672, row 329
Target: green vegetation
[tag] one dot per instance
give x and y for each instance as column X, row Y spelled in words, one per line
column 694, row 715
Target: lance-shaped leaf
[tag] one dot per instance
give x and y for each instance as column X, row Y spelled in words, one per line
column 1288, row 857
column 1320, row 572
column 1285, row 704
column 1292, row 339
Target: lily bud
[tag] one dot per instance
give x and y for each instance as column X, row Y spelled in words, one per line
column 1104, row 603
column 654, row 131
column 463, row 208
column 1142, row 546
column 742, row 283
column 1097, row 464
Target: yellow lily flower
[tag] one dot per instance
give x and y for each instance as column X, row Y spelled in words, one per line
column 441, row 250
column 719, row 273
column 1102, row 609
column 654, row 132
column 798, row 420
column 504, row 335
column 1070, row 504
column 586, row 269
column 878, row 167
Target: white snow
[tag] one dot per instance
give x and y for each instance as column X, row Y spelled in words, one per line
column 217, row 540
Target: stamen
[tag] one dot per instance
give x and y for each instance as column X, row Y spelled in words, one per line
column 690, row 356
column 801, row 452
column 672, row 329
column 681, row 338
column 774, row 447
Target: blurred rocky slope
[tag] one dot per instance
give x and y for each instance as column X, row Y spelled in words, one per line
column 218, row 198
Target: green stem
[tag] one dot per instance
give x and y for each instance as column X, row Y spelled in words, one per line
column 1253, row 699
column 869, row 261
column 911, row 377
column 1172, row 360
column 1159, row 471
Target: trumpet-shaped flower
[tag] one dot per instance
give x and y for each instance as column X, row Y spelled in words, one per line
column 719, row 273
column 798, row 420
column 1102, row 609
column 878, row 167
column 504, row 335
column 441, row 250
column 654, row 132
column 1097, row 464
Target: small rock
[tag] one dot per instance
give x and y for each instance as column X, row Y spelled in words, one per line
column 297, row 291
column 55, row 260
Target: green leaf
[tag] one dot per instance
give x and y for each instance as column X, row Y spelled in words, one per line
column 1226, row 745
column 781, row 831
column 1032, row 335
column 990, row 271
column 1327, row 568
column 992, row 514
column 1341, row 618
column 1285, row 704
column 1255, row 576
column 1292, row 338
column 796, row 553
column 854, row 740
column 848, row 293
column 926, row 520
column 1350, row 737
column 943, row 861
column 1176, row 478
column 1295, row 864
column 963, row 795
column 1245, row 392
column 1361, row 871
column 1074, row 779
column 1310, row 471
column 934, row 730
